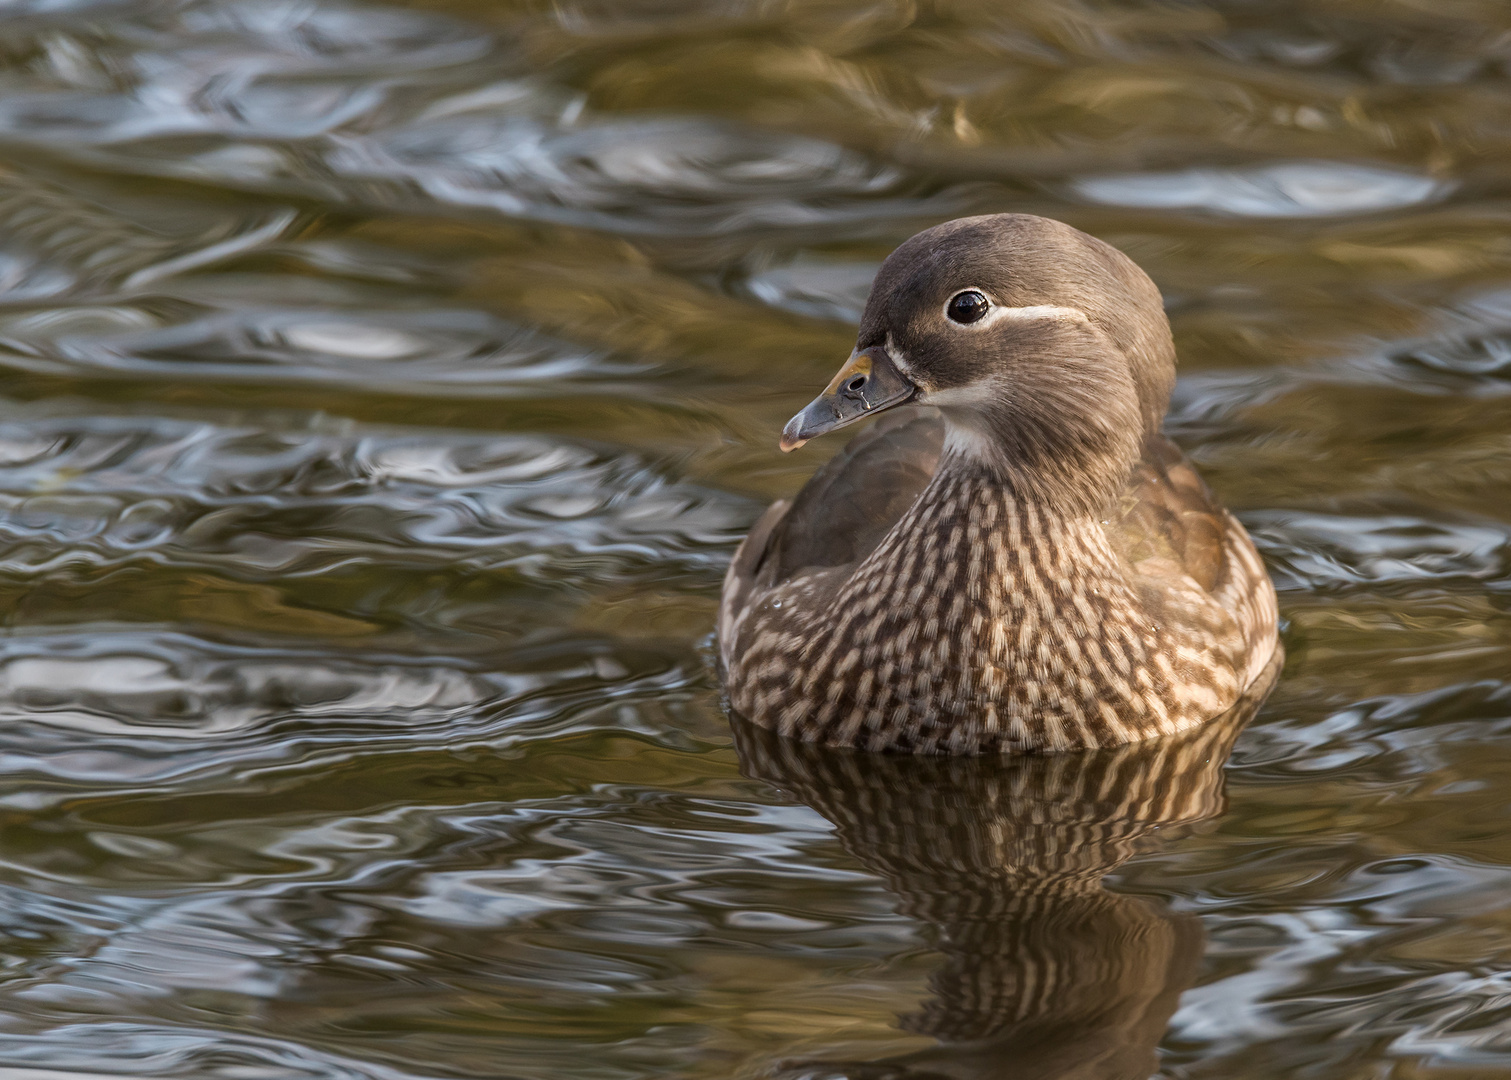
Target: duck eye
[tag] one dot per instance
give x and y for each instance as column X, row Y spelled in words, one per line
column 967, row 307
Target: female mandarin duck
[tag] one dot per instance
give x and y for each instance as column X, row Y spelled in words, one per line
column 1025, row 564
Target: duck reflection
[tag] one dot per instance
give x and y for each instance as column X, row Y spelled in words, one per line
column 1046, row 973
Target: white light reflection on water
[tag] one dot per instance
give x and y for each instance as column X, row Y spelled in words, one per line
column 1293, row 189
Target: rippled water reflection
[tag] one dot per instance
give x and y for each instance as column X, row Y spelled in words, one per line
column 386, row 387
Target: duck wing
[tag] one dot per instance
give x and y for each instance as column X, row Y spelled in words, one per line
column 1175, row 534
column 851, row 503
column 839, row 516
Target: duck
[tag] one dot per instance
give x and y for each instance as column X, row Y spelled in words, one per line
column 1014, row 558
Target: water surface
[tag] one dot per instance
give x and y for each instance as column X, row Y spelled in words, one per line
column 386, row 386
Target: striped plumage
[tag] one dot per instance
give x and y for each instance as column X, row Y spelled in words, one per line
column 1028, row 564
column 1044, row 970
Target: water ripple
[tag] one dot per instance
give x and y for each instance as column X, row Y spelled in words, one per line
column 434, row 352
column 296, row 502
column 1321, row 551
column 304, row 99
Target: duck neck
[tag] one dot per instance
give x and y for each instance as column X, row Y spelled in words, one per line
column 975, row 610
column 1064, row 473
column 983, row 545
column 989, row 538
column 966, row 468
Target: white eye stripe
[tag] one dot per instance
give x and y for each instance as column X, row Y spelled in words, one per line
column 994, row 314
column 997, row 313
column 1039, row 311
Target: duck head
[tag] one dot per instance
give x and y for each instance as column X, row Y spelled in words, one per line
column 1047, row 350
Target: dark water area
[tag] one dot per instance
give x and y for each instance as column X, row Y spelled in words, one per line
column 384, row 389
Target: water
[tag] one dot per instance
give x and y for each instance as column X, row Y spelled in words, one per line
column 386, row 387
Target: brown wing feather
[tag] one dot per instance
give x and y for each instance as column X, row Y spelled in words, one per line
column 843, row 512
column 1170, row 516
column 1168, row 512
column 839, row 516
column 739, row 580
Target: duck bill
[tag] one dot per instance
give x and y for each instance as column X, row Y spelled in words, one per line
column 868, row 383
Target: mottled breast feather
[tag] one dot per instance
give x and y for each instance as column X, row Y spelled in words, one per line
column 910, row 602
